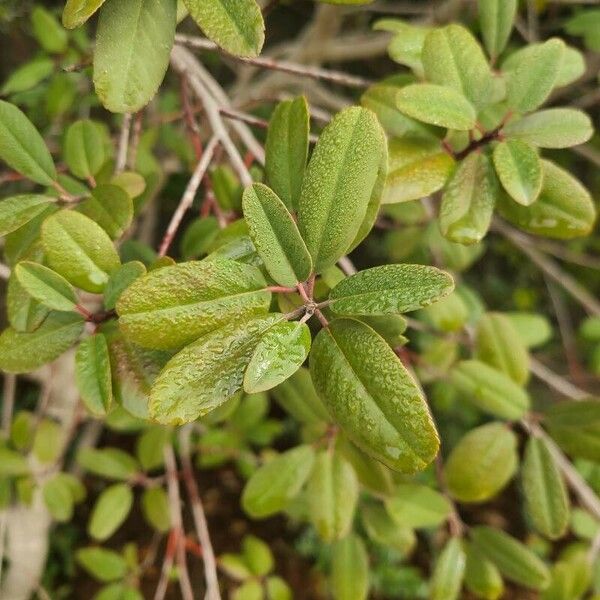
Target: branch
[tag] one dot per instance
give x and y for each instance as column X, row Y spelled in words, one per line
column 188, row 196
column 123, row 143
column 556, row 382
column 208, row 555
column 332, row 76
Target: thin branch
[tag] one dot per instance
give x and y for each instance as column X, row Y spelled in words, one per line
column 123, row 143
column 8, row 401
column 188, row 196
column 550, row 268
column 208, row 555
column 347, row 266
column 318, row 73
column 556, row 382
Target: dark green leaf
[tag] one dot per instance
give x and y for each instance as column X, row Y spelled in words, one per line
column 93, row 374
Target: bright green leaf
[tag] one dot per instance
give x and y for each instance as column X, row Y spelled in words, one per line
column 448, row 573
column 102, row 564
column 349, row 569
column 84, row 148
column 155, row 506
column 111, row 463
column 77, row 12
column 482, row 578
column 519, row 169
column 110, row 207
column 18, row 210
column 496, row 18
column 110, row 511
column 258, row 556
column 46, row 286
column 120, row 280
column 93, row 374
column 418, row 506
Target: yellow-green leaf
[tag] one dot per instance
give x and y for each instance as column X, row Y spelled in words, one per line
column 46, row 286
column 93, row 374
column 520, row 170
column 447, row 577
column 496, row 18
column 110, row 511
column 77, row 12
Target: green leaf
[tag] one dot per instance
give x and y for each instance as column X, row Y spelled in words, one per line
column 198, row 237
column 482, row 463
column 546, row 498
column 496, row 18
column 519, row 169
column 499, row 345
column 46, row 286
column 286, row 149
column 84, row 148
column 155, row 506
column 490, row 390
column 77, row 12
column 93, row 374
column 19, row 210
column 111, row 463
column 249, row 590
column 48, row 31
column 535, row 75
column 173, row 306
column 133, row 45
column 406, row 46
column 258, row 556
column 447, row 577
column 102, row 564
column 110, row 207
column 12, row 464
column 235, row 25
column 373, row 475
column 110, row 511
column 390, row 289
column 533, row 329
column 60, row 494
column 278, row 589
column 24, row 352
column 418, row 506
column 482, row 578
column 47, row 441
column 372, row 396
column 28, row 75
column 120, row 280
column 383, row 530
column 563, row 210
column 206, row 373
column 437, row 105
column 150, row 447
column 552, row 128
column 278, row 355
column 576, row 427
column 339, row 183
column 79, row 250
column 275, row 236
column 332, row 494
column 453, row 58
column 468, row 200
column 417, row 168
column 449, row 314
column 349, row 569
column 272, row 487
column 514, row 560
column 22, row 147
column 234, row 566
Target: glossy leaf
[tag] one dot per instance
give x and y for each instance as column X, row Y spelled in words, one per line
column 482, row 463
column 490, row 390
column 277, row 482
column 447, row 577
column 576, row 427
column 133, row 44
column 77, row 12
column 23, row 352
column 437, row 105
column 531, row 82
column 235, row 25
column 332, row 493
column 546, row 498
column 339, row 183
column 390, row 289
column 417, row 168
column 278, row 355
column 482, row 577
column 110, row 207
column 286, row 149
column 498, row 344
column 173, row 306
column 519, row 169
column 16, row 211
column 453, row 58
column 468, row 200
column 349, row 569
column 552, row 128
column 79, row 250
column 514, row 560
column 120, row 280
column 496, row 18
column 110, row 511
column 84, row 148
column 93, row 374
column 46, row 286
column 22, row 147
column 204, row 374
column 563, row 210
column 372, row 396
column 418, row 506
column 275, row 236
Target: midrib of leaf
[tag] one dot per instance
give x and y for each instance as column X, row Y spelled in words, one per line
column 39, row 339
column 370, row 397
column 455, row 66
column 83, row 254
column 107, row 214
column 504, row 359
column 177, row 307
column 134, row 34
column 233, row 18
